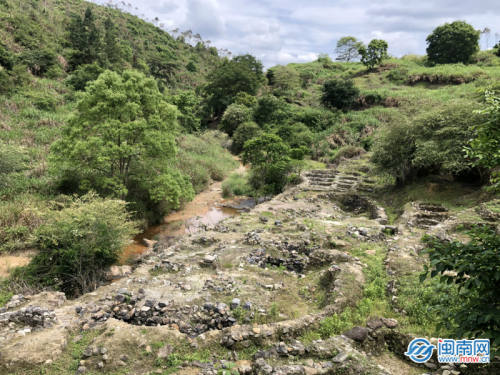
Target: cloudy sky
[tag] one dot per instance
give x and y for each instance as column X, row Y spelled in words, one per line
column 283, row 31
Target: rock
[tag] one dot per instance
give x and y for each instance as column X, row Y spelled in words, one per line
column 164, row 352
column 124, row 358
column 446, row 372
column 247, row 305
column 375, row 323
column 116, row 272
column 81, row 370
column 290, row 370
column 209, row 260
column 390, row 323
column 278, row 223
column 263, row 219
column 235, row 303
column 244, row 367
column 390, row 229
column 87, row 352
column 357, row 334
column 263, row 367
column 341, row 357
column 100, row 365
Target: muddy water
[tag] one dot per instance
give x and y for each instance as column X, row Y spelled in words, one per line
column 207, row 208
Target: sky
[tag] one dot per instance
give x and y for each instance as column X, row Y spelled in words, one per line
column 284, row 31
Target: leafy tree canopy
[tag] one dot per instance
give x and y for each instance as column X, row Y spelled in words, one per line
column 122, row 141
column 241, row 74
column 454, row 42
column 340, row 94
column 374, row 54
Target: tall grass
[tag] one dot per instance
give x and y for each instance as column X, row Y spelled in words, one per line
column 203, row 158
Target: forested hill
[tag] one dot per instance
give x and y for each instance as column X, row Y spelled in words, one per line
column 43, row 35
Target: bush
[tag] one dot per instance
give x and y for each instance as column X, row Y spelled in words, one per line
column 347, row 152
column 39, row 60
column 340, row 94
column 236, row 184
column 475, row 267
column 454, row 42
column 271, row 110
column 432, row 143
column 245, row 132
column 269, row 157
column 76, row 244
column 234, row 116
column 316, row 119
column 83, row 75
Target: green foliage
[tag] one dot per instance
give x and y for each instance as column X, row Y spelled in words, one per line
column 13, row 162
column 374, row 54
column 452, row 43
column 6, row 58
column 433, row 142
column 77, row 243
column 234, row 116
column 347, row 49
column 241, row 74
column 316, row 119
column 269, row 157
column 485, row 147
column 39, row 61
column 121, row 142
column 284, row 79
column 475, row 268
column 83, row 75
column 271, row 110
column 188, row 104
column 84, row 39
column 236, row 185
column 340, row 94
column 244, row 133
column 112, row 51
column 296, row 135
column 245, row 99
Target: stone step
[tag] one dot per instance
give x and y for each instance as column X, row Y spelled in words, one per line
column 432, row 215
column 432, row 207
column 427, row 222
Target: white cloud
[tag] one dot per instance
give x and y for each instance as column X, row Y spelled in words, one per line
column 283, row 31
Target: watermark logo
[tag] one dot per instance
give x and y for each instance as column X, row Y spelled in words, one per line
column 420, row 350
column 450, row 351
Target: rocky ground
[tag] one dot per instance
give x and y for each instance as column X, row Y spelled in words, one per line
column 244, row 295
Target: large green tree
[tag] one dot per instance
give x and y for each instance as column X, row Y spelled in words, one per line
column 241, row 74
column 374, row 53
column 454, row 42
column 121, row 141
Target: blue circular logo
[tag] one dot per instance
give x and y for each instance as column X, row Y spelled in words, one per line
column 420, row 350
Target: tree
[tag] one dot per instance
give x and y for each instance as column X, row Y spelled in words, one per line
column 241, row 74
column 246, row 131
column 283, row 79
column 121, row 142
column 374, row 54
column 269, row 157
column 347, row 48
column 485, row 147
column 454, row 42
column 84, row 39
column 496, row 49
column 339, row 93
column 112, row 49
column 234, row 116
column 475, row 267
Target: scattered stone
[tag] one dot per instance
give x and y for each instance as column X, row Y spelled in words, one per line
column 357, row 334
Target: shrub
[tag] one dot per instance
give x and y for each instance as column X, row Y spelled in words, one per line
column 316, row 119
column 452, row 43
column 340, row 94
column 475, row 267
column 76, row 244
column 271, row 110
column 398, row 75
column 38, row 60
column 83, row 75
column 234, row 116
column 347, row 152
column 245, row 132
column 269, row 157
column 432, row 143
column 296, row 135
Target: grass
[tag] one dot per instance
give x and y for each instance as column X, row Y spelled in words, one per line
column 236, row 185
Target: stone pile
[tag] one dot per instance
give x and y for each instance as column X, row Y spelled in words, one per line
column 292, row 262
column 32, row 316
column 191, row 320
